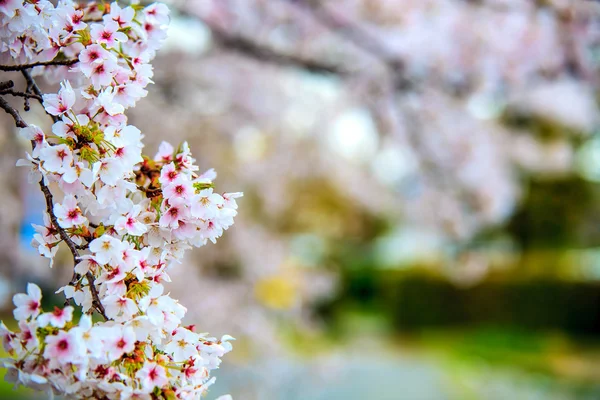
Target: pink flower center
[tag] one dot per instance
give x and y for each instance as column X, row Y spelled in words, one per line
column 33, row 305
column 73, row 214
column 114, row 273
column 63, row 345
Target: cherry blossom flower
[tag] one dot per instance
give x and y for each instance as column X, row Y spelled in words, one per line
column 152, row 375
column 110, row 171
column 168, row 173
column 57, row 318
column 68, row 213
column 91, row 56
column 28, row 335
column 35, row 134
column 165, row 152
column 105, row 101
column 158, row 13
column 176, row 211
column 130, row 224
column 101, row 73
column 56, row 158
column 45, row 247
column 178, row 189
column 122, row 16
column 182, row 345
column 64, row 347
column 35, row 169
column 119, row 308
column 58, row 104
column 119, row 340
column 107, row 34
column 28, row 305
column 206, row 204
column 106, row 249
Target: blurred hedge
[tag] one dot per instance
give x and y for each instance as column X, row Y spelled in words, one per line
column 416, row 301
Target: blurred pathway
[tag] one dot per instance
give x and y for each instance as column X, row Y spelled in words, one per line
column 356, row 375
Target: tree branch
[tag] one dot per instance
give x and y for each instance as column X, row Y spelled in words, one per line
column 31, row 85
column 50, row 210
column 6, row 85
column 20, row 94
column 19, row 122
column 95, row 296
column 23, row 67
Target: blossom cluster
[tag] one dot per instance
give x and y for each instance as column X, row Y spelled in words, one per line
column 137, row 359
column 126, row 217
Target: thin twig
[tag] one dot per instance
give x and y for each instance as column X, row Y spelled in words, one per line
column 95, row 295
column 20, row 94
column 23, row 67
column 6, row 85
column 50, row 210
column 19, row 122
column 33, row 86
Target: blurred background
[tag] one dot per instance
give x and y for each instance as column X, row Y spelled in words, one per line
column 421, row 216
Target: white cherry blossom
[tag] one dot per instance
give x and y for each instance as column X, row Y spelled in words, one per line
column 28, row 305
column 68, row 213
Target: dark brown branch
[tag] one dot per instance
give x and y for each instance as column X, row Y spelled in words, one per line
column 50, row 210
column 6, row 85
column 31, row 85
column 96, row 302
column 20, row 94
column 19, row 122
column 23, row 67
